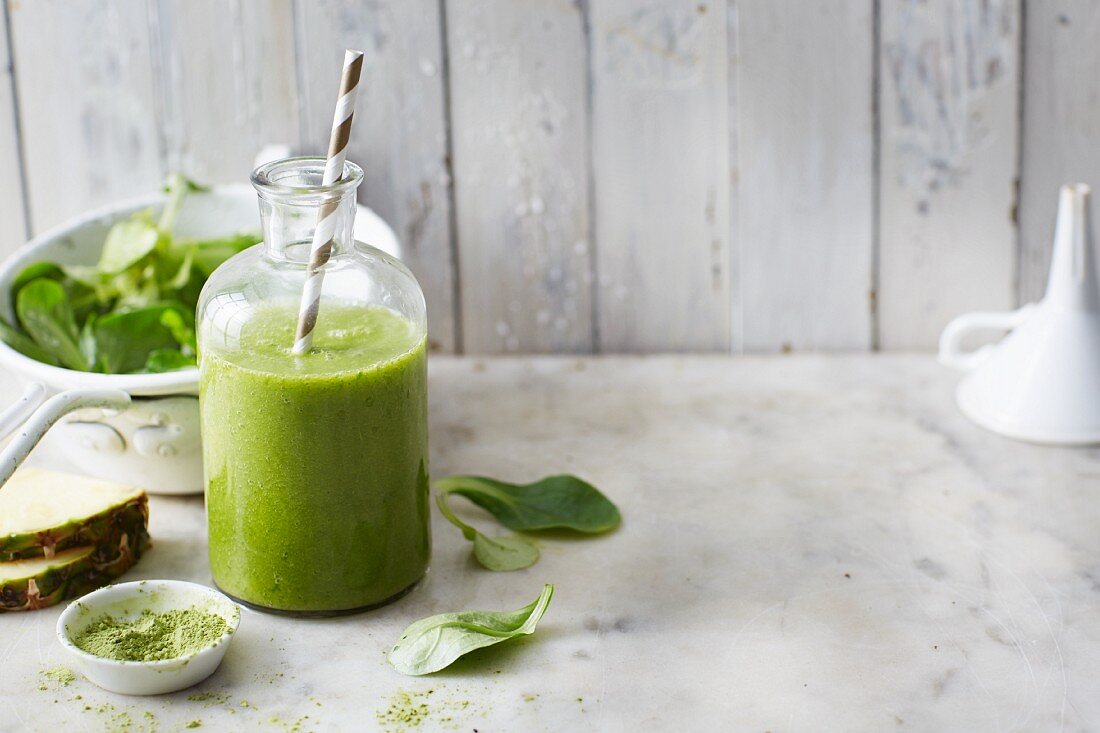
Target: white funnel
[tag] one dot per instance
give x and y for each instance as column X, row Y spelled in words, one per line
column 1042, row 382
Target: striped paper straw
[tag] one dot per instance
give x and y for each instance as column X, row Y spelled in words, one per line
column 321, row 247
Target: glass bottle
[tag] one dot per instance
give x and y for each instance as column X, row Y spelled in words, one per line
column 315, row 464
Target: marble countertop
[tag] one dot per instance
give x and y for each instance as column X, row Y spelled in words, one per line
column 810, row 543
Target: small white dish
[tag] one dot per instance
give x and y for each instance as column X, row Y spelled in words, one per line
column 127, row 600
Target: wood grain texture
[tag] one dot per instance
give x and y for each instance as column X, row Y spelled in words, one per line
column 400, row 131
column 14, row 231
column 733, row 73
column 87, row 104
column 1061, row 135
column 806, row 174
column 661, row 164
column 949, row 133
column 227, row 84
column 521, row 174
column 629, row 175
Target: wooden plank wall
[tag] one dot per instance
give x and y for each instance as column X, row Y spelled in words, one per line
column 520, row 151
column 1061, row 124
column 224, row 86
column 806, row 174
column 949, row 80
column 93, row 137
column 660, row 174
column 12, row 211
column 603, row 175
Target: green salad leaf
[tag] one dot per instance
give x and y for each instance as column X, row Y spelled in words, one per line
column 48, row 270
column 46, row 315
column 554, row 502
column 494, row 553
column 128, row 242
column 433, row 643
column 210, row 253
column 131, row 312
column 25, row 345
column 502, row 554
column 125, row 339
column 167, row 360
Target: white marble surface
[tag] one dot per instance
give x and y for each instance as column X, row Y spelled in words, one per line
column 809, row 544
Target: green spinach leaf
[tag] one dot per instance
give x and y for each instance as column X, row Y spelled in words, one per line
column 24, row 344
column 179, row 320
column 209, row 253
column 124, row 339
column 494, row 553
column 167, row 360
column 432, row 644
column 128, row 242
column 501, row 554
column 183, row 271
column 48, row 270
column 46, row 314
column 565, row 502
column 87, row 341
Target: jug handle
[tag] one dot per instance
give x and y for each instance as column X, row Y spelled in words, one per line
column 951, row 351
column 32, row 415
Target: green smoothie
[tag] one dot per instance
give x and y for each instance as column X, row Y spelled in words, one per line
column 316, row 465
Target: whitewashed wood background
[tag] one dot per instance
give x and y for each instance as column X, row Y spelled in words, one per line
column 603, row 175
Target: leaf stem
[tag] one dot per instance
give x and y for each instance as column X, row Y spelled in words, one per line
column 177, row 189
column 467, row 531
column 461, row 485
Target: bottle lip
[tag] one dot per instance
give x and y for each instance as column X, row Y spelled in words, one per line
column 269, row 179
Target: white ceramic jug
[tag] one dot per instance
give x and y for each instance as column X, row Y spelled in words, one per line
column 1041, row 383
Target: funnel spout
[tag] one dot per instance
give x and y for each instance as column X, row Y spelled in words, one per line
column 1073, row 280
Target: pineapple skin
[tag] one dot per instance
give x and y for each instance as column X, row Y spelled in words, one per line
column 118, row 552
column 94, row 530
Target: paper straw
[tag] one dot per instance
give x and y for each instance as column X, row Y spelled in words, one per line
column 321, row 247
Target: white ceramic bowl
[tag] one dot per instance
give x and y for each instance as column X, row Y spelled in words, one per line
column 153, row 443
column 126, row 600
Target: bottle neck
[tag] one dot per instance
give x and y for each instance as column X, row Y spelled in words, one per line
column 295, row 203
column 290, row 225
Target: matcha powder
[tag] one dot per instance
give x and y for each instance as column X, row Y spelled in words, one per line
column 152, row 636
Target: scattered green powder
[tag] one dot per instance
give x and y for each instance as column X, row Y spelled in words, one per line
column 62, row 676
column 407, row 710
column 296, row 726
column 152, row 636
column 404, row 709
column 204, row 696
column 122, row 722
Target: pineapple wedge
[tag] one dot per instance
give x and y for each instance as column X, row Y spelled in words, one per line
column 45, row 512
column 37, row 582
